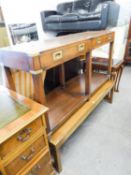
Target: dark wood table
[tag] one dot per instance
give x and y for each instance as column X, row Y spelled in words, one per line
column 72, row 101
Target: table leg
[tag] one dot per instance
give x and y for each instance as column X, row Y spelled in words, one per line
column 57, row 158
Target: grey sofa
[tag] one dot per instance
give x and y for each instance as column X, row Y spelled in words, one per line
column 81, row 15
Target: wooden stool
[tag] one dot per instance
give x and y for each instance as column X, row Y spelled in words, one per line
column 100, row 64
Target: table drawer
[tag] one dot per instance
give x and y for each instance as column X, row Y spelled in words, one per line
column 97, row 42
column 20, row 138
column 52, row 58
column 56, row 57
column 17, row 164
column 43, row 167
column 109, row 37
column 74, row 51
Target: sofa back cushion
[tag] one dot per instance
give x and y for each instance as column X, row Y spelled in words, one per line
column 94, row 3
column 64, row 8
column 81, row 6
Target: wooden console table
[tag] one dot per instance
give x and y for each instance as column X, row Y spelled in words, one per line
column 71, row 102
column 24, row 146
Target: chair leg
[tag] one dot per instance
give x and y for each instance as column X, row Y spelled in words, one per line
column 109, row 97
column 116, row 80
column 57, row 158
column 119, row 78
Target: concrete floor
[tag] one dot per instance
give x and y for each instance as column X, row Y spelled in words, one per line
column 102, row 145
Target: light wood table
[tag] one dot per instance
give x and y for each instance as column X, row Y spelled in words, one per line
column 24, row 146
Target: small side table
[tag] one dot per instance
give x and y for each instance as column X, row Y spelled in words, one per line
column 100, row 64
column 24, row 148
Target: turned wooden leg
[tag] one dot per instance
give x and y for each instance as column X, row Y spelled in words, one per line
column 57, row 158
column 119, row 78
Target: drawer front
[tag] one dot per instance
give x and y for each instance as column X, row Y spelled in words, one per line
column 99, row 41
column 51, row 58
column 109, row 37
column 26, row 156
column 56, row 57
column 43, row 167
column 74, row 51
column 20, row 138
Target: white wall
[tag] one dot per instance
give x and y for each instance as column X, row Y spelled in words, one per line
column 27, row 11
column 125, row 11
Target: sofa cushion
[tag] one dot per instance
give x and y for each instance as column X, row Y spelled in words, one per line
column 53, row 19
column 71, row 17
column 90, row 17
column 78, row 5
column 94, row 4
column 81, row 12
column 64, row 8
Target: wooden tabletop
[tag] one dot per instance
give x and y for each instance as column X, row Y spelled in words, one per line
column 16, row 112
column 36, row 47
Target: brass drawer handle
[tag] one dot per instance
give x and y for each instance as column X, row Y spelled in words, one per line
column 109, row 37
column 57, row 55
column 30, row 156
column 35, row 170
column 98, row 41
column 81, row 47
column 24, row 135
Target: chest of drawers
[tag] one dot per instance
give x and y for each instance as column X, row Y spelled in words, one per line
column 24, row 147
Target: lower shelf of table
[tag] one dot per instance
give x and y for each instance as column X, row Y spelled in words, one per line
column 63, row 102
column 59, row 137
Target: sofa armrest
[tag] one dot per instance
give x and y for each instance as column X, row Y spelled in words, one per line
column 109, row 13
column 113, row 13
column 103, row 9
column 47, row 13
